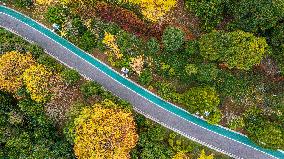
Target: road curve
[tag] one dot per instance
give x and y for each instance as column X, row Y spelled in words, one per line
column 151, row 106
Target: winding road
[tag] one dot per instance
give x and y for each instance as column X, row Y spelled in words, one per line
column 216, row 137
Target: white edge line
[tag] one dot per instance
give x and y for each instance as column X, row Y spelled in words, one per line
column 136, row 85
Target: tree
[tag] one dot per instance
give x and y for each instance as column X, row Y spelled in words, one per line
column 153, row 10
column 264, row 131
column 204, row 156
column 204, row 101
column 12, row 66
column 181, row 155
column 110, row 133
column 209, row 12
column 173, row 39
column 238, row 49
column 255, row 16
column 37, row 81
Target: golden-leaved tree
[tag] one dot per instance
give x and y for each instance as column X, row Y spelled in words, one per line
column 43, row 2
column 153, row 10
column 37, row 81
column 204, row 156
column 12, row 65
column 104, row 133
column 181, row 155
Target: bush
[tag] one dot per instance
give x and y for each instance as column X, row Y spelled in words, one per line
column 145, row 77
column 90, row 88
column 191, row 69
column 129, row 45
column 192, row 48
column 56, row 14
column 50, row 63
column 173, row 39
column 70, row 76
column 209, row 12
column 23, row 3
column 207, row 73
column 88, row 41
column 152, row 47
column 78, row 26
column 127, row 20
column 201, row 100
column 35, row 50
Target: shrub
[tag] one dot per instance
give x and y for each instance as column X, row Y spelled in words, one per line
column 207, row 73
column 165, row 90
column 201, row 100
column 173, row 39
column 127, row 20
column 153, row 47
column 130, row 45
column 192, row 47
column 78, row 26
column 35, row 50
column 70, row 76
column 191, row 69
column 145, row 77
column 88, row 41
column 23, row 3
column 90, row 88
column 56, row 14
column 50, row 63
column 209, row 12
column 111, row 131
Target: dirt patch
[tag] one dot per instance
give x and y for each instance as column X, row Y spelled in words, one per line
column 60, row 104
column 181, row 18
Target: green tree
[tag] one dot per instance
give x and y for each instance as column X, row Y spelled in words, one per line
column 262, row 130
column 255, row 16
column 173, row 39
column 210, row 12
column 56, row 14
column 204, row 101
column 237, row 49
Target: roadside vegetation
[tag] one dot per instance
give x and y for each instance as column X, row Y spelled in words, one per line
column 221, row 60
column 50, row 111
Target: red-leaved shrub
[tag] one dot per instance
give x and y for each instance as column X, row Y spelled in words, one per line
column 127, row 20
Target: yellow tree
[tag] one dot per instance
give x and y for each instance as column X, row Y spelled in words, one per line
column 204, row 156
column 37, row 80
column 12, row 66
column 43, row 2
column 110, row 41
column 104, row 133
column 153, row 10
column 181, row 155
